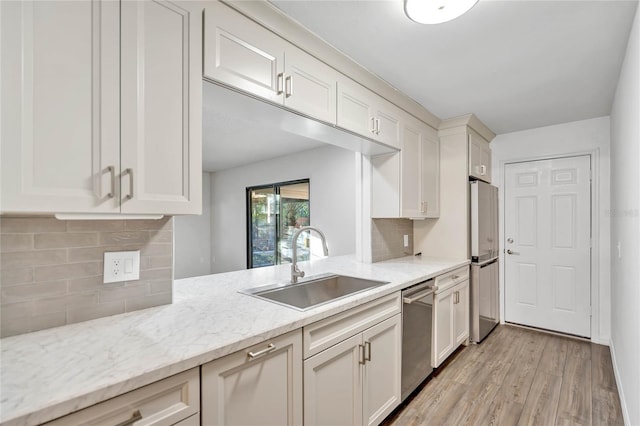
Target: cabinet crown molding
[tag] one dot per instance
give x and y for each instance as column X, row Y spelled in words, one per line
column 471, row 121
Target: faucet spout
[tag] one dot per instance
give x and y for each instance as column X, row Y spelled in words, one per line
column 295, row 271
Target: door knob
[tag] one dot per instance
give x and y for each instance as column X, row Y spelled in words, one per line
column 511, row 252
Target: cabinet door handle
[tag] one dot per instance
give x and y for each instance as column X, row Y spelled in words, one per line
column 377, row 126
column 373, row 125
column 134, row 418
column 362, row 358
column 288, row 86
column 270, row 348
column 112, row 172
column 130, row 173
column 279, row 83
column 367, row 351
column 454, row 277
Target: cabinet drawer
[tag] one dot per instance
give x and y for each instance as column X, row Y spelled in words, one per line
column 166, row 402
column 452, row 278
column 329, row 331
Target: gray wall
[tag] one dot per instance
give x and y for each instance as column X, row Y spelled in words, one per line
column 193, row 238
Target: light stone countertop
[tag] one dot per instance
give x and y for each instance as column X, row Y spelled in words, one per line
column 50, row 373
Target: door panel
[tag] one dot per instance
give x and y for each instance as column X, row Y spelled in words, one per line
column 355, row 107
column 55, row 159
column 241, row 53
column 160, row 131
column 382, row 369
column 333, row 385
column 548, row 218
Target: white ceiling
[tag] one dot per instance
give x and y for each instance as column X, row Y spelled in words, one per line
column 516, row 64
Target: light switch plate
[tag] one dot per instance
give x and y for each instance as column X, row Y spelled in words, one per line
column 121, row 266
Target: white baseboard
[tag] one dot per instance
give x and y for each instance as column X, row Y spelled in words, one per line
column 623, row 403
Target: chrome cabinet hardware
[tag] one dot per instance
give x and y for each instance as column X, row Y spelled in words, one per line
column 134, row 418
column 367, row 351
column 362, row 358
column 372, row 129
column 112, row 172
column 454, row 277
column 270, row 348
column 130, row 173
column 279, row 83
column 288, row 86
column 377, row 126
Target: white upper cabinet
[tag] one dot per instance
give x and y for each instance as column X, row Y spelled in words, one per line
column 161, row 136
column 407, row 184
column 363, row 112
column 242, row 54
column 479, row 157
column 60, row 111
column 101, row 92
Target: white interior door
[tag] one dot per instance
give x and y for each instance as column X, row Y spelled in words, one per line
column 547, row 242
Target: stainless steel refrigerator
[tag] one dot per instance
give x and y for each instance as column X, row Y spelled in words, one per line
column 484, row 295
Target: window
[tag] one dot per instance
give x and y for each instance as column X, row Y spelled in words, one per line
column 274, row 212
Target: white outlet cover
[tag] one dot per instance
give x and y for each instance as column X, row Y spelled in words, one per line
column 121, row 266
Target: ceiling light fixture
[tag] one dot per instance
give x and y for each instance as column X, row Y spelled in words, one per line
column 436, row 11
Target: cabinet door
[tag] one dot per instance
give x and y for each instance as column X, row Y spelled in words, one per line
column 333, row 385
column 382, row 372
column 443, row 338
column 389, row 119
column 430, row 181
column 262, row 390
column 309, row 85
column 475, row 155
column 241, row 53
column 161, row 148
column 461, row 313
column 60, row 98
column 411, row 169
column 355, row 108
column 486, row 162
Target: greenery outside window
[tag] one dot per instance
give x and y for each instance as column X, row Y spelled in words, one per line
column 274, row 212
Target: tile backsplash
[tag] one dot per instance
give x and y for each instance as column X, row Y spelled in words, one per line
column 387, row 238
column 51, row 270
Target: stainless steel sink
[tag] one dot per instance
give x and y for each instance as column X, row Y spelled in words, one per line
column 314, row 291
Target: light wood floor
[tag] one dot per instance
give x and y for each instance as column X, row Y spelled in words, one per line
column 518, row 377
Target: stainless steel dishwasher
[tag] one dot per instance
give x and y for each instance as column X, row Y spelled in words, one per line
column 417, row 323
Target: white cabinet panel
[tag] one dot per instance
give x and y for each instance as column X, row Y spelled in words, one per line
column 355, row 108
column 265, row 389
column 443, row 326
column 309, row 85
column 479, row 157
column 60, row 106
column 407, row 184
column 381, row 385
column 461, row 313
column 333, row 385
column 241, row 53
column 389, row 123
column 160, row 133
column 170, row 401
column 107, row 107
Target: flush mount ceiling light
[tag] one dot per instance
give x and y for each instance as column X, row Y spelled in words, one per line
column 436, row 11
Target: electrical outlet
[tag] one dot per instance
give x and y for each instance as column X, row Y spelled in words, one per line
column 121, row 266
column 406, row 241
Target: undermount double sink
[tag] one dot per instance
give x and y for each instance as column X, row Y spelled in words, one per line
column 314, row 291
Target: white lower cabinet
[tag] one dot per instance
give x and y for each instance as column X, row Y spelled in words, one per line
column 356, row 381
column 451, row 315
column 171, row 401
column 258, row 386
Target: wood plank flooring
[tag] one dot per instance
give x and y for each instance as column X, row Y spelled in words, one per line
column 518, row 377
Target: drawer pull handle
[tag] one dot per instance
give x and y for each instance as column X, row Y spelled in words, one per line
column 134, row 418
column 454, row 277
column 130, row 173
column 270, row 348
column 362, row 359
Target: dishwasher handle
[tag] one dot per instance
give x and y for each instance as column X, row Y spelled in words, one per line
column 417, row 296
